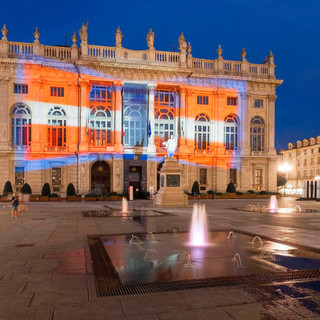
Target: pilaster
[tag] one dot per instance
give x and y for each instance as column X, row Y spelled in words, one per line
column 151, row 145
column 118, row 146
column 271, row 124
column 244, row 134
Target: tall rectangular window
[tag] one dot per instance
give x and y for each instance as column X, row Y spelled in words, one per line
column 258, row 103
column 231, row 101
column 203, row 100
column 233, row 175
column 19, row 176
column 57, row 91
column 100, row 93
column 20, row 88
column 203, row 176
column 56, row 176
column 258, row 178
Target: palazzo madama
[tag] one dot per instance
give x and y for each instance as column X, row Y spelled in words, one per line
column 98, row 115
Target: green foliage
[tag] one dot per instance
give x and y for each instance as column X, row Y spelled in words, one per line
column 231, row 188
column 54, row 195
column 250, row 191
column 46, row 190
column 263, row 192
column 7, row 188
column 195, row 188
column 281, row 180
column 210, row 192
column 26, row 189
column 71, row 190
column 238, row 193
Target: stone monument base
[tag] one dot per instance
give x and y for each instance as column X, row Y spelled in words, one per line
column 170, row 193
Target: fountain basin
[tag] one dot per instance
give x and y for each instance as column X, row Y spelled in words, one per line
column 170, row 259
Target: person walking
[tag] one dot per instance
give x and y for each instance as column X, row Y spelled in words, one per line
column 15, row 205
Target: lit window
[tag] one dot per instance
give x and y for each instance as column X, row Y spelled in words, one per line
column 203, row 100
column 21, row 88
column 258, row 103
column 257, row 134
column 100, row 126
column 19, row 176
column 57, row 91
column 100, row 93
column 231, row 101
column 164, row 102
column 202, row 132
column 230, row 132
column 21, row 126
column 56, row 176
column 203, row 177
column 233, row 175
column 57, row 127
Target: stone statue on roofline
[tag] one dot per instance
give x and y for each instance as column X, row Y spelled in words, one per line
column 83, row 32
column 150, row 39
column 171, row 146
column 119, row 37
column 182, row 43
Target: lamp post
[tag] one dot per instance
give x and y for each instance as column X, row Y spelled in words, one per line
column 317, row 183
column 284, row 168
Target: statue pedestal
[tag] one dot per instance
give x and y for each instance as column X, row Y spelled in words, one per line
column 170, row 193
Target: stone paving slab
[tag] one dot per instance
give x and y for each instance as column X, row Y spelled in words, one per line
column 53, row 279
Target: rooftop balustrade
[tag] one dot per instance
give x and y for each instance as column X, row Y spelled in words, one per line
column 182, row 60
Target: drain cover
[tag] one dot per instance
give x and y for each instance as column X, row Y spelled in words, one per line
column 24, row 245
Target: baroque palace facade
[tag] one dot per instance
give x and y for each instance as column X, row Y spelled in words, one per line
column 304, row 160
column 97, row 116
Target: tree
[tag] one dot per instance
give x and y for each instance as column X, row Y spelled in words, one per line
column 195, row 188
column 281, row 179
column 7, row 188
column 46, row 190
column 26, row 189
column 71, row 190
column 231, row 187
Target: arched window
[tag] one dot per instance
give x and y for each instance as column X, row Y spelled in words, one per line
column 21, row 125
column 163, row 125
column 100, row 126
column 134, row 126
column 202, row 132
column 257, row 134
column 57, row 127
column 231, row 132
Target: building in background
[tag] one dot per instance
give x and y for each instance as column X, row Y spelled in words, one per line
column 304, row 159
column 97, row 116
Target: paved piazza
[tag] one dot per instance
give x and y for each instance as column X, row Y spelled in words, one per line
column 46, row 271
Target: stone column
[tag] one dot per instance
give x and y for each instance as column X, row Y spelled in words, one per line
column 85, row 113
column 244, row 132
column 118, row 146
column 151, row 89
column 218, row 123
column 189, row 131
column 5, row 121
column 271, row 124
column 182, row 120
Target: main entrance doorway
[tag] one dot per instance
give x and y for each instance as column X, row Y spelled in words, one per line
column 135, row 175
column 100, row 178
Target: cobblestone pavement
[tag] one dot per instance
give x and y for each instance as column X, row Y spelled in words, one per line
column 46, row 271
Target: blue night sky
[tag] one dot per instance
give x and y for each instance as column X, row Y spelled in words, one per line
column 290, row 28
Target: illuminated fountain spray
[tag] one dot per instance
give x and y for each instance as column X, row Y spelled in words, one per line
column 273, row 204
column 199, row 227
column 125, row 207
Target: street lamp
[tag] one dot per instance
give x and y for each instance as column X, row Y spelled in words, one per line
column 285, row 167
